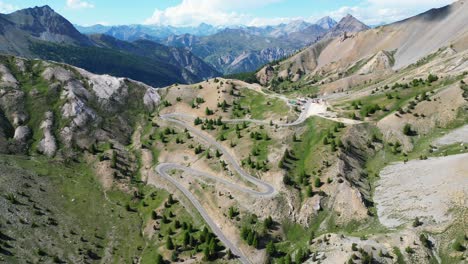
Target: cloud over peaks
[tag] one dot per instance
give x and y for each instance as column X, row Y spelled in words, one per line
column 78, row 4
column 216, row 12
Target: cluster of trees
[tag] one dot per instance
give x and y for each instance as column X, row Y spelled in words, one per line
column 238, row 110
column 250, row 235
column 198, row 150
column 414, row 83
column 166, row 103
column 395, row 147
column 464, row 87
column 299, row 256
column 210, row 124
column 208, row 111
column 254, row 159
column 259, row 165
column 365, row 110
column 370, row 109
column 408, row 130
column 224, row 106
column 164, row 134
column 365, row 257
column 330, row 138
column 260, row 136
column 184, row 237
column 197, row 102
column 232, row 212
column 250, row 230
column 432, row 78
column 287, row 163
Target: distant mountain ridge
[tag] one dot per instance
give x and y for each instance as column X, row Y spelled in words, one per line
column 385, row 48
column 248, row 47
column 326, row 22
column 155, row 32
column 40, row 32
column 238, row 49
column 346, row 25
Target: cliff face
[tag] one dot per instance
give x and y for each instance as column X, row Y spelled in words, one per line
column 54, row 109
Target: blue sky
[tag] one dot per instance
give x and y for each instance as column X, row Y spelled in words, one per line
column 224, row 12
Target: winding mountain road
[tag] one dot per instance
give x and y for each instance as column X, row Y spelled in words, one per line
column 266, row 190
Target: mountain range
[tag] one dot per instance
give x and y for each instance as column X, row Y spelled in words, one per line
column 160, row 55
column 389, row 47
column 236, row 49
column 40, row 32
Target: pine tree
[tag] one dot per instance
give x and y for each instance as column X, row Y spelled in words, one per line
column 231, row 212
column 174, row 256
column 299, row 257
column 159, row 259
column 212, row 246
column 204, row 235
column 317, row 183
column 206, row 254
column 169, row 243
column 208, row 111
column 255, row 241
column 170, row 199
column 287, row 180
column 325, row 141
column 250, row 237
column 268, row 223
column 271, row 249
column 186, row 238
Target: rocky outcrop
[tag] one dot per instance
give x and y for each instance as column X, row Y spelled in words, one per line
column 351, row 161
column 381, row 61
column 265, row 75
column 7, row 79
column 48, row 144
column 151, row 99
column 6, row 132
column 73, row 110
column 22, row 133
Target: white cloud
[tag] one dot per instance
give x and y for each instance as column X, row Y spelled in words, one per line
column 216, row 12
column 7, row 8
column 78, row 4
column 259, row 22
column 374, row 12
column 236, row 12
column 410, row 3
